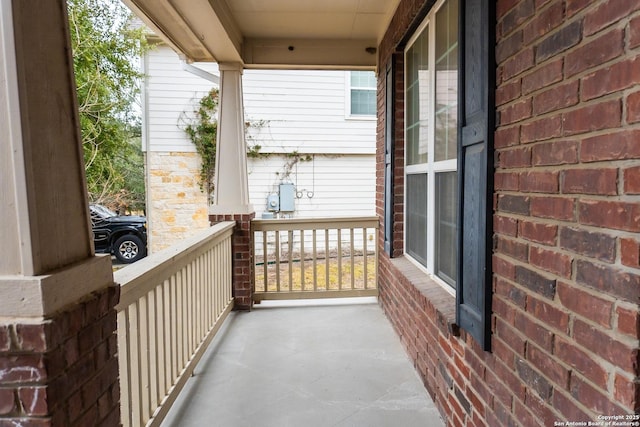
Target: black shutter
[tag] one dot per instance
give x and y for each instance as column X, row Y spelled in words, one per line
column 475, row 167
column 388, row 158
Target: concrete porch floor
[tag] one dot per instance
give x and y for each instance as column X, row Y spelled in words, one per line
column 312, row 363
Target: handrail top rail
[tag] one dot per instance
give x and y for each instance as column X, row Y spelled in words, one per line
column 314, row 223
column 137, row 279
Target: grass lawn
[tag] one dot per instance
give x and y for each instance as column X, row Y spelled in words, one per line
column 331, row 274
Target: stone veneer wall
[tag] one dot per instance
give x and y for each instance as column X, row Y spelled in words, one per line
column 63, row 370
column 177, row 207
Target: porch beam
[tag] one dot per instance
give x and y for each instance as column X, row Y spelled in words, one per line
column 201, row 30
column 332, row 54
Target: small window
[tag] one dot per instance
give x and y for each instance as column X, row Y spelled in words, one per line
column 362, row 93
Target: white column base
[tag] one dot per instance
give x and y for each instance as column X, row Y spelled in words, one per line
column 40, row 296
column 231, row 209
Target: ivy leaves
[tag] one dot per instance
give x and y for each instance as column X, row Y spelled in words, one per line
column 202, row 129
column 201, row 125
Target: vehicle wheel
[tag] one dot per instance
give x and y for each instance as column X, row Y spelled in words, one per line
column 129, row 248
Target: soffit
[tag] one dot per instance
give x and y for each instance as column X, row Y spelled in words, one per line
column 271, row 33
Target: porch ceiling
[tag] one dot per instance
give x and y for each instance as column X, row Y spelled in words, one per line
column 335, row 34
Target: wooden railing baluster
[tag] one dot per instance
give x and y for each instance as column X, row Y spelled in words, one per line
column 315, row 261
column 339, row 257
column 171, row 305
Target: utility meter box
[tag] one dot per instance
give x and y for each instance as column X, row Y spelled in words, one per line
column 273, row 203
column 287, row 198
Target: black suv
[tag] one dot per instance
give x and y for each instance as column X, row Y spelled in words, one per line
column 125, row 236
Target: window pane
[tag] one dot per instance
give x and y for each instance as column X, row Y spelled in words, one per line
column 446, row 226
column 363, row 102
column 416, row 232
column 446, row 46
column 417, row 91
column 446, row 28
column 431, row 109
column 363, row 93
column 363, row 79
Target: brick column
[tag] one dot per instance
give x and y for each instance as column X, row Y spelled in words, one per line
column 62, row 370
column 243, row 260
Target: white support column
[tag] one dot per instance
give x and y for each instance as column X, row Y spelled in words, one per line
column 46, row 256
column 231, row 189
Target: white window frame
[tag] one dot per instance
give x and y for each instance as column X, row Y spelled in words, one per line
column 347, row 104
column 431, row 167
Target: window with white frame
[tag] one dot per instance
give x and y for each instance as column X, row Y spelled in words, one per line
column 431, row 108
column 362, row 93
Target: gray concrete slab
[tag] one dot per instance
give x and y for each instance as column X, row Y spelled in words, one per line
column 312, row 363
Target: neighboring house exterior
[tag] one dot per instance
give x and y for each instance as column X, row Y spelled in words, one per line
column 315, row 129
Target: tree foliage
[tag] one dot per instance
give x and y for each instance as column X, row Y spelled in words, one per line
column 105, row 54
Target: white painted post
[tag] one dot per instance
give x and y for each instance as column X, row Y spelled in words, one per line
column 44, row 217
column 231, row 190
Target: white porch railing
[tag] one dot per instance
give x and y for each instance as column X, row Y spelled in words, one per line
column 315, row 258
column 171, row 305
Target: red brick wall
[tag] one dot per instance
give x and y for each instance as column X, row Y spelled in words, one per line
column 566, row 258
column 242, row 250
column 62, row 371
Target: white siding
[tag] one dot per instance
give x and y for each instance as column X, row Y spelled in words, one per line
column 342, row 185
column 305, row 111
column 169, row 91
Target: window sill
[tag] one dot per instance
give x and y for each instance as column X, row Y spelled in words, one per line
column 362, row 118
column 437, row 298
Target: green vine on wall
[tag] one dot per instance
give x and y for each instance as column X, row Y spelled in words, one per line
column 202, row 128
column 293, row 159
